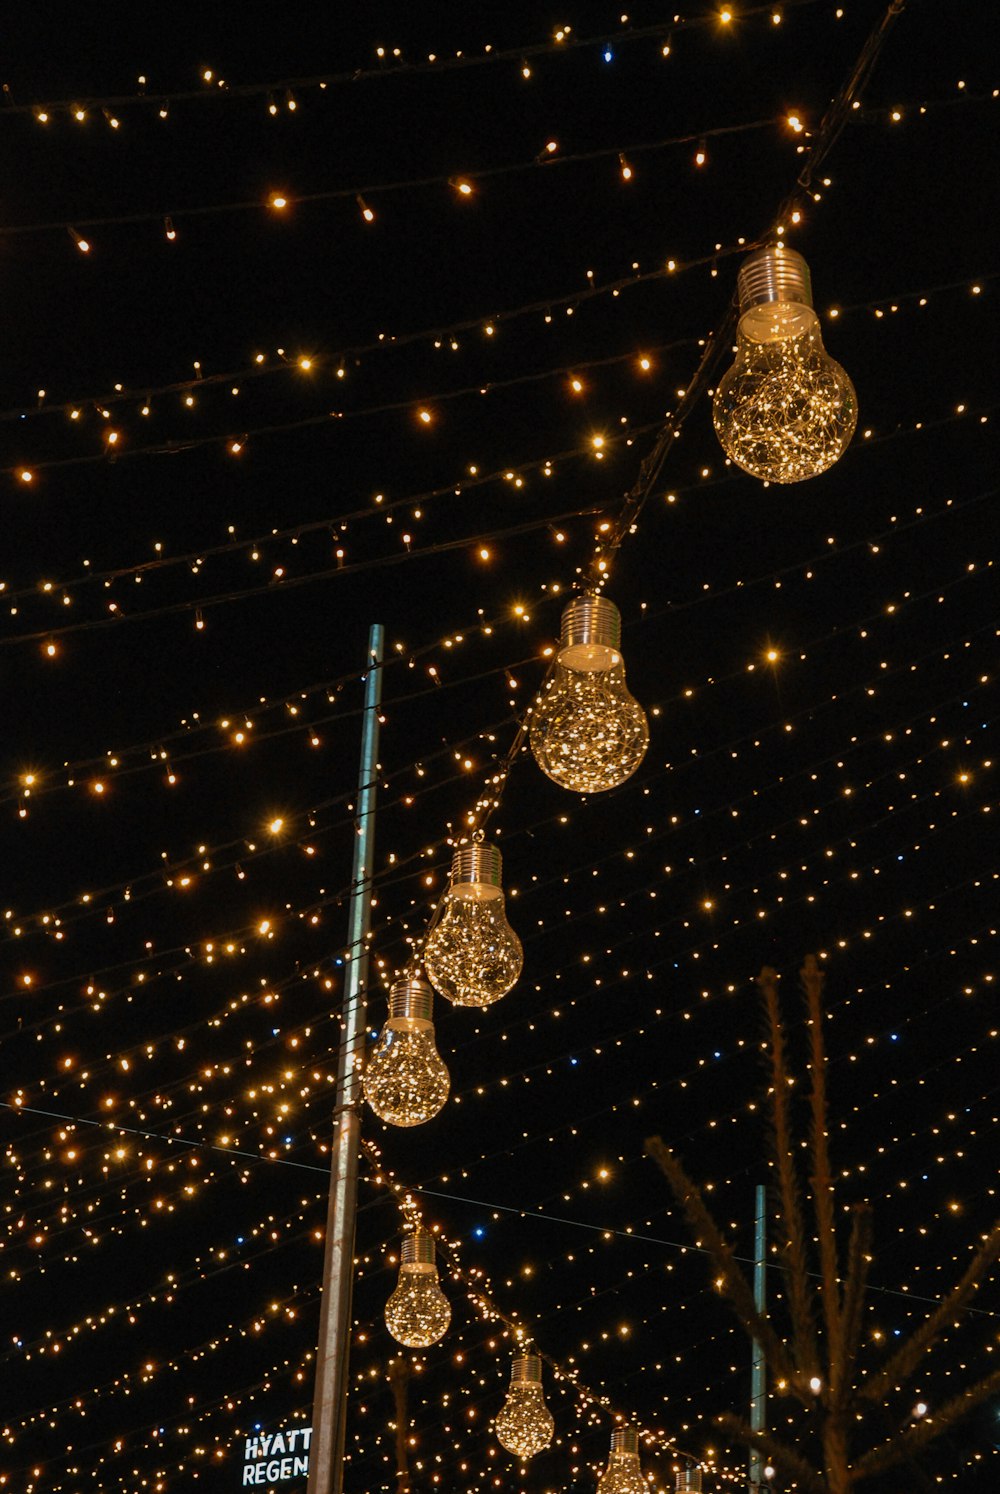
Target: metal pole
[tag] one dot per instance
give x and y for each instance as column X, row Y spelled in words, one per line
column 326, row 1453
column 758, row 1383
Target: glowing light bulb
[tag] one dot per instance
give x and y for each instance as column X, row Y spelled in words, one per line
column 472, row 954
column 786, row 410
column 418, row 1312
column 405, row 1080
column 524, row 1424
column 623, row 1474
column 587, row 732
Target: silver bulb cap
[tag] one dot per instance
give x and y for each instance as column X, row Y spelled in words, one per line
column 689, row 1481
column 418, row 1249
column 591, row 635
column 477, row 863
column 775, row 296
column 526, row 1370
column 625, row 1440
column 592, row 620
column 412, row 997
column 773, row 274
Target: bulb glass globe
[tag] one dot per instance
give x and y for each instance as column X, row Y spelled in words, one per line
column 786, row 410
column 623, row 1474
column 418, row 1312
column 587, row 732
column 472, row 954
column 405, row 1080
column 524, row 1424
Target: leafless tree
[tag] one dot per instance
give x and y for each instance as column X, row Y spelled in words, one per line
column 853, row 1428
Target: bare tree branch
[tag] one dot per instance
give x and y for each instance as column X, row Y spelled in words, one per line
column 910, row 1440
column 800, row 1301
column 784, row 1457
column 856, row 1280
column 734, row 1284
column 822, row 1182
column 903, row 1364
column 836, row 1412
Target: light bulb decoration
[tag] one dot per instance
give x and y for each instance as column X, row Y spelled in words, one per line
column 524, row 1424
column 623, row 1474
column 405, row 1079
column 587, row 732
column 418, row 1312
column 786, row 410
column 688, row 1481
column 472, row 954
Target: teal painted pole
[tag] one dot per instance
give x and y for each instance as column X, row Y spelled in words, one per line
column 329, row 1423
column 758, row 1383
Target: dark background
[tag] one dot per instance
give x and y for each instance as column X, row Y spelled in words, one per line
column 161, row 1274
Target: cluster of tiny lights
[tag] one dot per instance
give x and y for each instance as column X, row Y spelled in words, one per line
column 489, row 420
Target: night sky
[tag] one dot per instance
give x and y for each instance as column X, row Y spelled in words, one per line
column 235, row 435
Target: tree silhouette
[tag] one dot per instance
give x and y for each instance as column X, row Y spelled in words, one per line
column 849, row 1429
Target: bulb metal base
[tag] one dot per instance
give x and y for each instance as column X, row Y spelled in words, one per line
column 479, row 864
column 625, row 1440
column 774, row 291
column 689, row 1481
column 526, row 1370
column 418, row 1249
column 773, row 274
column 591, row 634
column 412, row 997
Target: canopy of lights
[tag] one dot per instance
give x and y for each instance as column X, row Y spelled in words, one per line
column 632, row 370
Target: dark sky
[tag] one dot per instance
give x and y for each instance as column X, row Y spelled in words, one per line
column 181, row 652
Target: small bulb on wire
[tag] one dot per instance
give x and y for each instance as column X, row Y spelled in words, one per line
column 472, row 955
column 524, row 1424
column 405, row 1080
column 587, row 733
column 623, row 1475
column 418, row 1312
column 786, row 410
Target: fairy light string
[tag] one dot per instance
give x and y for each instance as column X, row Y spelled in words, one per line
column 482, row 1299
column 852, row 924
column 391, row 65
column 465, row 182
column 635, row 500
column 832, row 801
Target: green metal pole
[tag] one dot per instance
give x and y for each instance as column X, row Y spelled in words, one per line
column 329, row 1423
column 758, row 1383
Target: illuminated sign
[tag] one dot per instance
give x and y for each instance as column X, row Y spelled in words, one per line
column 272, row 1458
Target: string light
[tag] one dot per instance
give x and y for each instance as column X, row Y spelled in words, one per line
column 786, row 410
column 405, row 1080
column 472, row 954
column 772, row 857
column 418, row 1312
column 524, row 1425
column 587, row 733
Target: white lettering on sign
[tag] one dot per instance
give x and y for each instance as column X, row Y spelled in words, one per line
column 272, row 1457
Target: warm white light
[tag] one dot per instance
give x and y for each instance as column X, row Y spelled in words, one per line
column 405, row 1079
column 623, row 1475
column 524, row 1425
column 418, row 1312
column 472, row 954
column 587, row 733
column 786, row 410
